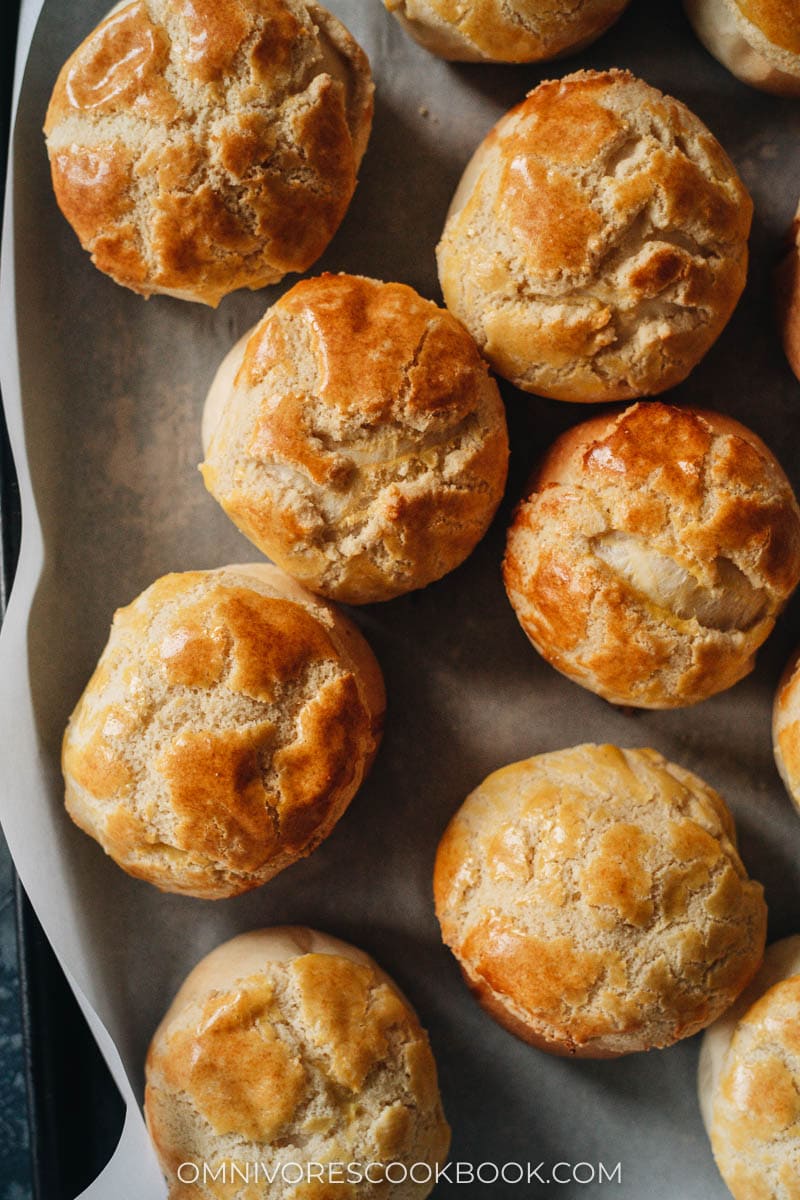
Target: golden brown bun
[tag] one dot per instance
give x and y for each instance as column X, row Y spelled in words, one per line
column 287, row 1046
column 199, row 148
column 597, row 243
column 596, row 903
column 749, row 1082
column 757, row 40
column 786, row 727
column 653, row 554
column 504, row 30
column 788, row 297
column 357, row 438
column 230, row 721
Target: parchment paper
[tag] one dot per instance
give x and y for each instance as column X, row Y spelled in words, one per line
column 104, row 394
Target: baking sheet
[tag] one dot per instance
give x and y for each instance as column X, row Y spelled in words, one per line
column 104, row 394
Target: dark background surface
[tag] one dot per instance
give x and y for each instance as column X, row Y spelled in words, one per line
column 60, row 1113
column 15, row 1157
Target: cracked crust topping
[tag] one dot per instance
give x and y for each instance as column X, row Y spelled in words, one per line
column 285, row 1045
column 778, row 20
column 357, row 438
column 201, row 147
column 653, row 554
column 229, row 722
column 757, row 40
column 756, row 1121
column 597, row 243
column 749, row 1082
column 596, row 903
column 505, row 30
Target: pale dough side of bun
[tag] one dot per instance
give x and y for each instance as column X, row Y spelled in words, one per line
column 740, row 36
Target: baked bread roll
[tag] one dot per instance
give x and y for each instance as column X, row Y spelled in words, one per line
column 596, row 903
column 199, row 148
column 287, row 1048
column 597, row 243
column 749, row 1080
column 230, row 721
column 356, row 437
column 757, row 40
column 653, row 553
column 786, row 727
column 504, row 30
column 787, row 280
